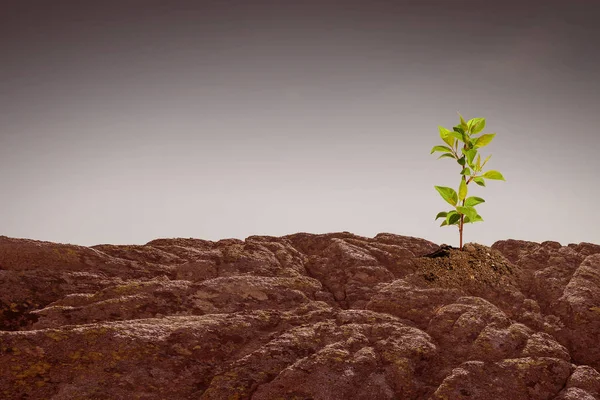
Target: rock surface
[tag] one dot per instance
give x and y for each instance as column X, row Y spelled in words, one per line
column 303, row 316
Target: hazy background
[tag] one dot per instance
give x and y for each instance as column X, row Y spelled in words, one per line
column 125, row 121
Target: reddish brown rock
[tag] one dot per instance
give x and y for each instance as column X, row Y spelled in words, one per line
column 407, row 301
column 158, row 297
column 303, row 316
column 583, row 382
column 565, row 282
column 512, row 379
column 546, row 268
column 34, row 273
column 579, row 310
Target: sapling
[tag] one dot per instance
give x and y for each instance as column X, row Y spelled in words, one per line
column 462, row 145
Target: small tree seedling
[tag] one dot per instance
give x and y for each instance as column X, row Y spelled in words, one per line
column 462, row 145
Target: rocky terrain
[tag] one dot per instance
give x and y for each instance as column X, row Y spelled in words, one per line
column 303, row 316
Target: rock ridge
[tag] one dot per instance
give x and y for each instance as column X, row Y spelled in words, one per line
column 302, row 316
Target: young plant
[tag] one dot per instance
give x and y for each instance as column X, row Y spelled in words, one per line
column 462, row 145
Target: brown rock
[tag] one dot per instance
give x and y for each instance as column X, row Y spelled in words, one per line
column 512, row 379
column 331, row 316
column 579, row 310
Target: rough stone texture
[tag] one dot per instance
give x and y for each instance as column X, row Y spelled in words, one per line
column 564, row 283
column 332, row 316
column 579, row 310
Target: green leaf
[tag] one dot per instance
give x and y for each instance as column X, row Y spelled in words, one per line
column 440, row 148
column 465, row 171
column 463, row 123
column 477, row 219
column 468, row 142
column 461, row 161
column 446, row 136
column 470, row 155
column 468, row 211
column 458, row 129
column 479, row 180
column 456, row 135
column 486, row 160
column 452, row 218
column 444, row 223
column 476, row 125
column 493, row 175
column 484, row 139
column 447, row 194
column 478, row 163
column 473, row 201
column 449, row 155
column 462, row 190
column 441, row 214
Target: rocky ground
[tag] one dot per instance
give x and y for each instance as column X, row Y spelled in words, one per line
column 303, row 316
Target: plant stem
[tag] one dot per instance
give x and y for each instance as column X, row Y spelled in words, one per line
column 462, row 216
column 460, row 228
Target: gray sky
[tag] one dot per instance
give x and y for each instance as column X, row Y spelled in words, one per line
column 125, row 121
